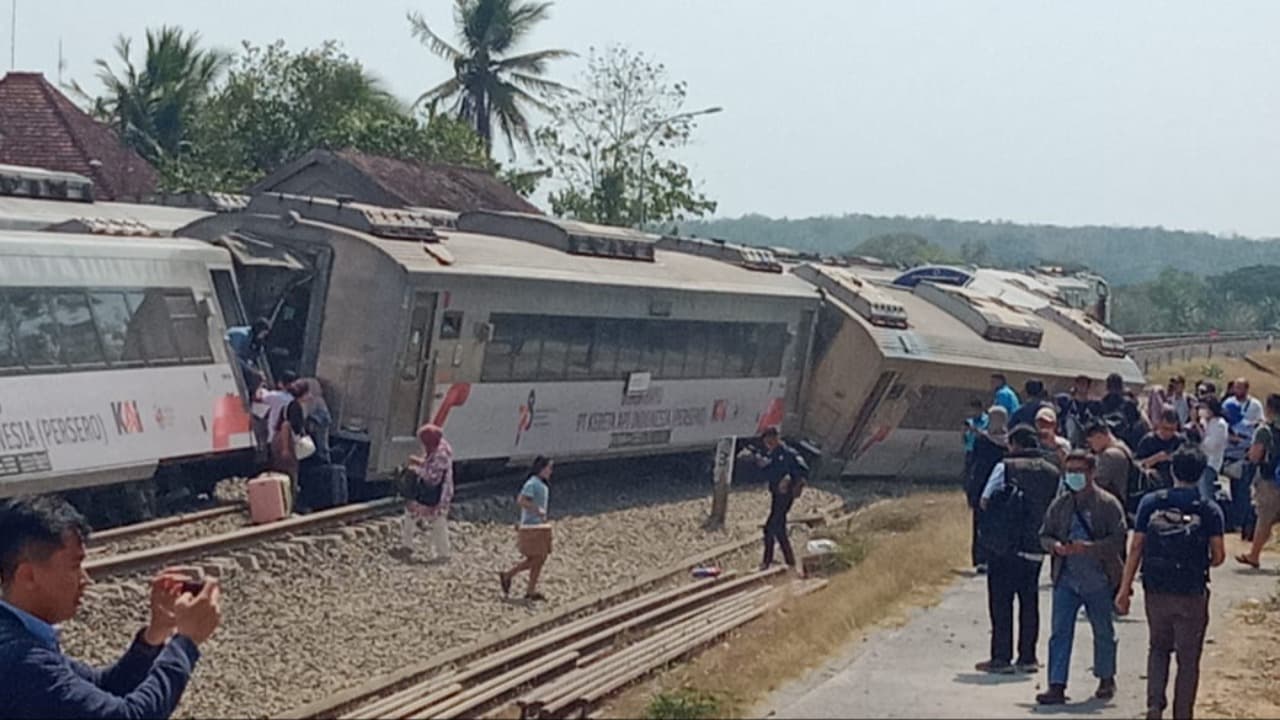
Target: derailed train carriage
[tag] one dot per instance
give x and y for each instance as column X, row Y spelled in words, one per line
column 898, row 358
column 521, row 335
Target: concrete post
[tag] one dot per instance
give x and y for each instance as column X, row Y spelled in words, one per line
column 721, row 477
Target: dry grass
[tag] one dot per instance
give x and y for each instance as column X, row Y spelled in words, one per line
column 1263, row 372
column 908, row 549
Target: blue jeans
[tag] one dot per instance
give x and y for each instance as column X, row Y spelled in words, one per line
column 1208, row 484
column 1066, row 606
column 1240, row 513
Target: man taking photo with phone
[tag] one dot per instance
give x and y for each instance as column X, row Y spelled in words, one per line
column 42, row 577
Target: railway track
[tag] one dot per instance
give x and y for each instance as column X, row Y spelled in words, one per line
column 139, row 554
column 566, row 671
column 568, row 661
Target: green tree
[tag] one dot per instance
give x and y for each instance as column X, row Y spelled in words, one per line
column 902, row 249
column 276, row 105
column 609, row 145
column 490, row 84
column 154, row 107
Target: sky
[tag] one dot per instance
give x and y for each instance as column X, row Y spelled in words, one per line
column 1139, row 112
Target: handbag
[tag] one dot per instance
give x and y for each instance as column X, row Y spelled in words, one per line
column 303, row 446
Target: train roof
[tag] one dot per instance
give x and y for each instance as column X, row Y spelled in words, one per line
column 533, row 247
column 15, row 243
column 24, row 213
column 935, row 332
column 493, row 256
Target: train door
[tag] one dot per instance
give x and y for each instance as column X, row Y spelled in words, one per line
column 415, row 370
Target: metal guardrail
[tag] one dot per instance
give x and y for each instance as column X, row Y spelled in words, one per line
column 1149, row 340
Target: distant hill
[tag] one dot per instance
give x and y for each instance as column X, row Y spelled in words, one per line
column 1122, row 255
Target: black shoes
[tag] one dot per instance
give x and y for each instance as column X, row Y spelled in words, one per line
column 1055, row 695
column 994, row 668
column 1106, row 689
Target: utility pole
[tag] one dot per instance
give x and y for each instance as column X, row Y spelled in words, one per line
column 62, row 62
column 13, row 34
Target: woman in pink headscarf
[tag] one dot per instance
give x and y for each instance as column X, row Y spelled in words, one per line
column 429, row 504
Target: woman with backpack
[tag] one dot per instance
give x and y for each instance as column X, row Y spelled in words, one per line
column 428, row 491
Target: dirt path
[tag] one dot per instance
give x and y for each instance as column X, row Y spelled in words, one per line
column 924, row 668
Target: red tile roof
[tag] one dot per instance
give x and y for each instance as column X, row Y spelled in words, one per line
column 449, row 187
column 41, row 127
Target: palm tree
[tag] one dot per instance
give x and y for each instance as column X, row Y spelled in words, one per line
column 490, row 85
column 152, row 107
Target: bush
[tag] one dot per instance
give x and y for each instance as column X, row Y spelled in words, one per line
column 684, row 704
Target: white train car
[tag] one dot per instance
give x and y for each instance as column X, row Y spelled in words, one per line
column 897, row 361
column 112, row 360
column 520, row 335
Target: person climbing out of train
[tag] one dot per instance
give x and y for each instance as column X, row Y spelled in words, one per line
column 42, row 580
column 989, row 449
column 786, row 472
column 432, row 492
column 247, row 342
column 1014, row 500
column 289, row 440
column 313, row 472
column 533, row 500
column 1037, row 400
column 1004, row 396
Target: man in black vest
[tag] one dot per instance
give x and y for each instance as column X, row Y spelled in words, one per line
column 1175, row 579
column 1017, row 495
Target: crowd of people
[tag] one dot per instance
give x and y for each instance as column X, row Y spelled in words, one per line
column 1110, row 487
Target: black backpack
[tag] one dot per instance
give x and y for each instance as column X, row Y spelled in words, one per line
column 1175, row 555
column 1000, row 525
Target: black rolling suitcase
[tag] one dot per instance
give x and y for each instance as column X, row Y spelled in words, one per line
column 324, row 486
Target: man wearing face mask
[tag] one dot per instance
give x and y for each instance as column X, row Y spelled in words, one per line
column 1084, row 530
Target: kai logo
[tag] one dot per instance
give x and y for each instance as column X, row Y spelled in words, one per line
column 128, row 419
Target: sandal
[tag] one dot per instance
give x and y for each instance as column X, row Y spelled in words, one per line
column 535, row 597
column 1244, row 560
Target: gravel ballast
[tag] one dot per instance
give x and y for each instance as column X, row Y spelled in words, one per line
column 296, row 632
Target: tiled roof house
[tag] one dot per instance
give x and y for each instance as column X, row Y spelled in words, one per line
column 41, row 127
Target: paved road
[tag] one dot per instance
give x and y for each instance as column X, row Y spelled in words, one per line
column 925, row 667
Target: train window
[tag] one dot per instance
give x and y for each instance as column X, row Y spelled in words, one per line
column 719, row 345
column 556, row 336
column 8, row 347
column 526, row 348
column 189, row 329
column 630, row 346
column 111, row 313
column 37, row 332
column 451, row 325
column 770, row 351
column 605, row 344
column 498, row 351
column 695, row 359
column 150, row 322
column 582, row 331
column 738, row 350
column 76, row 333
column 549, row 348
column 673, row 339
